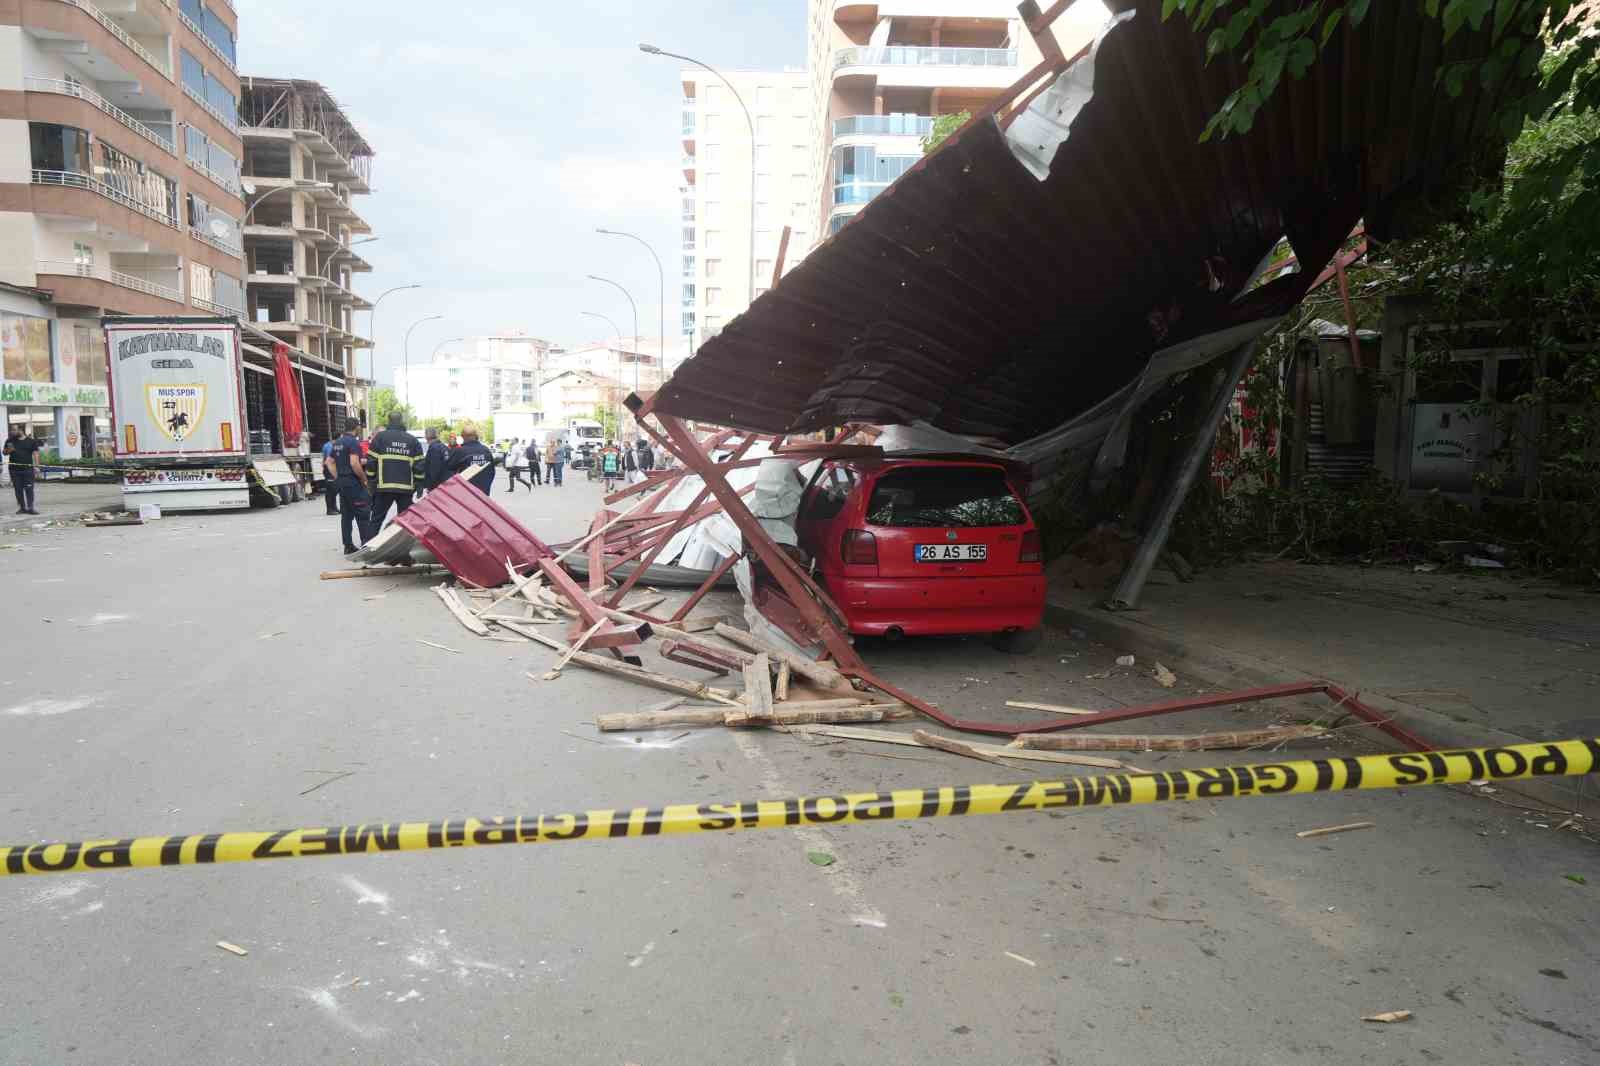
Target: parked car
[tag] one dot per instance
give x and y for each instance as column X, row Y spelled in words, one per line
column 911, row 547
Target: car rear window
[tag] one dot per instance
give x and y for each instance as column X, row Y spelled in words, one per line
column 944, row 496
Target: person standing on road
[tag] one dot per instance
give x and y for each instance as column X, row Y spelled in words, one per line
column 517, row 466
column 474, row 454
column 397, row 458
column 330, row 478
column 610, row 464
column 530, row 459
column 23, row 452
column 435, row 461
column 552, row 460
column 644, row 459
column 351, row 474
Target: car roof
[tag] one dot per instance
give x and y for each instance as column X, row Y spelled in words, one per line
column 876, row 465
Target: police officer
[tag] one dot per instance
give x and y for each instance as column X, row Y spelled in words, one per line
column 354, row 504
column 474, row 454
column 395, row 457
column 434, row 462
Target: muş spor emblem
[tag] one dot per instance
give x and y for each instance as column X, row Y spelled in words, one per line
column 176, row 409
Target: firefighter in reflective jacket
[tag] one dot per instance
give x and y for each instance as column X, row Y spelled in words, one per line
column 394, row 466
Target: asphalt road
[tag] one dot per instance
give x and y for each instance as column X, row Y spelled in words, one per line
column 194, row 675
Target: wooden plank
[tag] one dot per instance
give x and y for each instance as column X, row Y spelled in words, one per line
column 1055, row 708
column 757, row 692
column 576, row 646
column 597, row 546
column 457, row 608
column 820, row 673
column 676, row 718
column 798, row 715
column 992, row 752
column 1328, row 830
column 583, row 603
column 955, row 747
column 780, row 688
column 1247, row 738
column 379, row 571
column 679, row 685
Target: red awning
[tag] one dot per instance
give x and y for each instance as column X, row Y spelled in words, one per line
column 471, row 534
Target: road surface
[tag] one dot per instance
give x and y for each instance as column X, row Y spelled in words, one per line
column 194, row 675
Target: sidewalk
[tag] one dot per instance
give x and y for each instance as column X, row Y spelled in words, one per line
column 58, row 501
column 1461, row 658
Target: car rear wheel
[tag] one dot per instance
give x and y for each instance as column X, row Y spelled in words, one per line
column 1018, row 641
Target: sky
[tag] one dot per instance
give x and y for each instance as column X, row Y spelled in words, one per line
column 505, row 132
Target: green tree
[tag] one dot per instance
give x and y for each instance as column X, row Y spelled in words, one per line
column 607, row 417
column 943, row 127
column 384, row 402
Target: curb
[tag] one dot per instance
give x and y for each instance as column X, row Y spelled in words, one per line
column 1219, row 667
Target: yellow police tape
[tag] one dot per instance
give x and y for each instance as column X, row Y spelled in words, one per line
column 1340, row 774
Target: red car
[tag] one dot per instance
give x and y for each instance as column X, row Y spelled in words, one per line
column 924, row 546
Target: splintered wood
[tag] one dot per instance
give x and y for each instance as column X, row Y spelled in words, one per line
column 1248, row 738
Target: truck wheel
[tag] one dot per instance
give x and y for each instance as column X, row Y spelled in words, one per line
column 1018, row 641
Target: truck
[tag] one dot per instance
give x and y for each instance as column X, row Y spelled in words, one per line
column 584, row 436
column 196, row 422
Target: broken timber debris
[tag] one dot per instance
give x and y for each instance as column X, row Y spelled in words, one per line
column 793, row 714
column 1248, row 738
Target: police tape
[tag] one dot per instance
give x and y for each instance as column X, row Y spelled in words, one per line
column 1339, row 774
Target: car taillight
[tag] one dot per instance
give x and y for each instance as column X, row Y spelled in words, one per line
column 860, row 548
column 1032, row 548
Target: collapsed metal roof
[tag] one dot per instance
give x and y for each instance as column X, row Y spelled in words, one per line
column 984, row 301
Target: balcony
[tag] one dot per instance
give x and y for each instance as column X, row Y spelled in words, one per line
column 164, row 65
column 882, row 126
column 223, row 181
column 230, row 121
column 210, row 45
column 36, row 84
column 237, row 251
column 215, row 308
column 67, row 268
column 918, row 65
column 857, row 192
column 73, row 180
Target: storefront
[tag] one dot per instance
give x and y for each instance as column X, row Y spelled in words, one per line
column 53, row 376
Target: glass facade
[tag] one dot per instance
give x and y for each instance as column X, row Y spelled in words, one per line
column 200, row 83
column 860, row 173
column 60, row 148
column 211, row 27
column 883, row 125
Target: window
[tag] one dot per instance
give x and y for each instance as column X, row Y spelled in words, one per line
column 713, row 296
column 763, row 268
column 951, row 496
column 761, row 291
column 713, row 267
column 833, row 490
column 763, row 154
column 193, row 72
column 229, row 290
column 83, row 256
column 766, row 98
column 712, row 185
column 713, row 211
column 710, row 123
column 797, row 210
column 764, row 214
column 217, row 33
column 765, row 124
column 199, row 281
column 60, row 148
column 710, row 154
column 713, row 240
column 763, row 186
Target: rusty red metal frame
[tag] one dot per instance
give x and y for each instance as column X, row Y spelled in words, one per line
column 610, row 634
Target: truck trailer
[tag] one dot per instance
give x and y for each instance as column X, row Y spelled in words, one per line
column 198, row 421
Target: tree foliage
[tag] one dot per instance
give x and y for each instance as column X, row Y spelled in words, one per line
column 385, row 402
column 943, row 127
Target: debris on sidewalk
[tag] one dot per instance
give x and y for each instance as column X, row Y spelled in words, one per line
column 1019, row 958
column 1389, row 1016
column 233, row 948
column 441, row 647
column 1164, row 677
column 1331, row 829
column 1054, row 708
column 378, row 571
column 1249, row 738
column 1125, row 660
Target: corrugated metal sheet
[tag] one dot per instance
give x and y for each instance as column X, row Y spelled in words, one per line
column 471, row 534
column 983, row 301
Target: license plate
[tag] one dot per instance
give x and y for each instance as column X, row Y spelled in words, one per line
column 952, row 553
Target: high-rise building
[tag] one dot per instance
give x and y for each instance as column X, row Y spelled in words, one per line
column 476, row 377
column 119, row 189
column 303, row 162
column 881, row 73
column 723, row 178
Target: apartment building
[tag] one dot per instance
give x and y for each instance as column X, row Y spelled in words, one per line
column 881, row 73
column 473, row 381
column 304, row 162
column 729, row 251
column 119, row 190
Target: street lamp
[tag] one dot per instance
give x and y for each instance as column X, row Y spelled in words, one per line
column 406, row 399
column 322, row 297
column 616, row 413
column 300, row 185
column 661, row 277
column 441, row 344
column 619, row 288
column 372, row 358
column 650, row 49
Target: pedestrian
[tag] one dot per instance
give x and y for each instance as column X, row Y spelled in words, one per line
column 644, row 458
column 23, row 452
column 396, row 458
column 330, row 478
column 351, row 474
column 610, row 464
column 530, row 458
column 474, row 454
column 517, row 466
column 553, row 461
column 434, row 461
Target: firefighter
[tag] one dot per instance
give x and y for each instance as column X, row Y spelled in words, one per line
column 395, row 459
column 352, row 480
column 433, row 462
column 473, row 454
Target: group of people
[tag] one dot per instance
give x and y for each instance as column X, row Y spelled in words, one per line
column 543, row 461
column 618, row 462
column 368, row 478
column 22, row 454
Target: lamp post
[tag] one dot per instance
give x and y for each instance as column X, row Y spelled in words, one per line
column 619, row 288
column 300, row 185
column 650, row 49
column 661, row 277
column 372, row 357
column 615, row 412
column 406, row 399
column 323, row 273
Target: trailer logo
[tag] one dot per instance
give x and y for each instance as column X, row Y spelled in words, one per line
column 176, row 409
